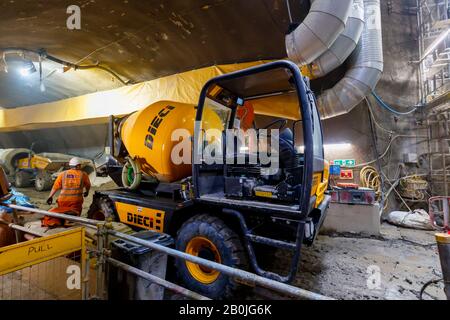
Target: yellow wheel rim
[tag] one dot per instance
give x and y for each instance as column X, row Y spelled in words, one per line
column 204, row 248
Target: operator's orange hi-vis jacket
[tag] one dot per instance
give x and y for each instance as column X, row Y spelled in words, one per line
column 70, row 200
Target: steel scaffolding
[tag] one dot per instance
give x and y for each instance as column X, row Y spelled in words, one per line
column 438, row 124
column 434, row 48
column 434, row 63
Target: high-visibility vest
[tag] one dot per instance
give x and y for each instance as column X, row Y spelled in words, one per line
column 70, row 200
column 71, row 186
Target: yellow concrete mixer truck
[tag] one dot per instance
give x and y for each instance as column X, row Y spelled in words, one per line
column 239, row 173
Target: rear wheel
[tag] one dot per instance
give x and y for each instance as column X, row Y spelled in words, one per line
column 44, row 181
column 208, row 237
column 22, row 179
column 101, row 209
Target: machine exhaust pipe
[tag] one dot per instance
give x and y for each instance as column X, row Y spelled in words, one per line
column 320, row 29
column 366, row 67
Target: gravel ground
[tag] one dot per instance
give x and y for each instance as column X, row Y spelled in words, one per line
column 338, row 265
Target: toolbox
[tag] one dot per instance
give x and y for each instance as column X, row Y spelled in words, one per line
column 353, row 196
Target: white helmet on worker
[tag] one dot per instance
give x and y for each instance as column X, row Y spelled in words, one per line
column 74, row 162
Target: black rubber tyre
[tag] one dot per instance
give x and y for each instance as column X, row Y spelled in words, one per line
column 44, row 181
column 102, row 209
column 229, row 247
column 22, row 179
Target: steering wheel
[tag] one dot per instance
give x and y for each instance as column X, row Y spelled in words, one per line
column 283, row 123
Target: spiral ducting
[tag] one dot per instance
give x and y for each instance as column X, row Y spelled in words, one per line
column 344, row 45
column 366, row 67
column 320, row 29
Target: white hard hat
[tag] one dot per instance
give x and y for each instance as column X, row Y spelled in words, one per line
column 74, row 162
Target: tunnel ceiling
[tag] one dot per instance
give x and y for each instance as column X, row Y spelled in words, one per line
column 139, row 40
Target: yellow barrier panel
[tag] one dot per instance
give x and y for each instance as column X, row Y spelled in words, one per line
column 25, row 254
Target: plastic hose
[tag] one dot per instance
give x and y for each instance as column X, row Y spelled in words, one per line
column 136, row 175
column 389, row 108
column 370, row 178
column 388, row 148
column 426, row 285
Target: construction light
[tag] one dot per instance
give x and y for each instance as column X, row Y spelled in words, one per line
column 24, row 72
column 337, row 146
column 330, row 147
column 27, row 69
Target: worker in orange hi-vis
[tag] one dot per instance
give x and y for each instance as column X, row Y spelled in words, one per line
column 72, row 183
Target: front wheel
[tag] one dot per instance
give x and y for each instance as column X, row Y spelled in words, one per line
column 44, row 181
column 23, row 179
column 210, row 238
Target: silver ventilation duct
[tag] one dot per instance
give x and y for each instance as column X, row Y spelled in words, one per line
column 324, row 23
column 366, row 67
column 344, row 45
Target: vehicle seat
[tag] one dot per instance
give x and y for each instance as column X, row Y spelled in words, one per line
column 287, row 150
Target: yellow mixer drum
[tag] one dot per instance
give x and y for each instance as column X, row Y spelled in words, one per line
column 147, row 135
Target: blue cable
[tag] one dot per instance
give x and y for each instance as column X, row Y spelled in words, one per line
column 387, row 107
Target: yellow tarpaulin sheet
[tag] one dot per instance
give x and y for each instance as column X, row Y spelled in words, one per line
column 97, row 107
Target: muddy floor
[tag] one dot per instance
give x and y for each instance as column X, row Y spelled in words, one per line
column 349, row 266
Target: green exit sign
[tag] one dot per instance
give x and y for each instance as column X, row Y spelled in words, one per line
column 346, row 163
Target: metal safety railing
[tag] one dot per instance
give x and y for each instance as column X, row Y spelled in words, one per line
column 104, row 230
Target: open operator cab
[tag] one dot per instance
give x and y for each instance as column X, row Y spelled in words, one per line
column 236, row 201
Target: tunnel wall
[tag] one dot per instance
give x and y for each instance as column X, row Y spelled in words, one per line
column 83, row 141
column 399, row 87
